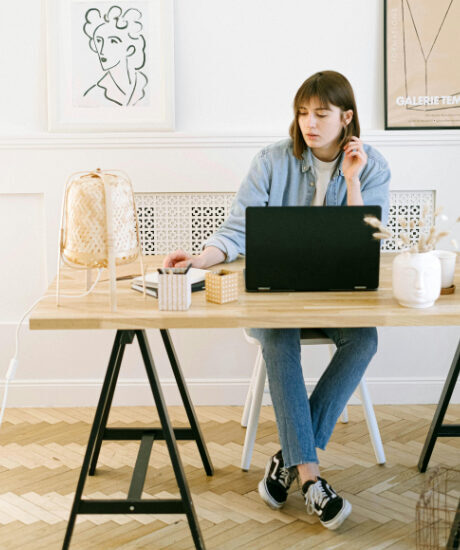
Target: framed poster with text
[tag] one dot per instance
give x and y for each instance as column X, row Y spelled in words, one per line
column 422, row 64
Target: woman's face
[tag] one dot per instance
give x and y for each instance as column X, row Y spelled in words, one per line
column 321, row 125
column 112, row 45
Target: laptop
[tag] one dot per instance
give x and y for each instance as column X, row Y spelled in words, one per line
column 311, row 248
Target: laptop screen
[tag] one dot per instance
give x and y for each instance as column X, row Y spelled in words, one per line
column 311, row 248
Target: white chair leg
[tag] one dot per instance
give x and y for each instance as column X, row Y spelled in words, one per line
column 250, row 395
column 344, row 416
column 254, row 412
column 371, row 421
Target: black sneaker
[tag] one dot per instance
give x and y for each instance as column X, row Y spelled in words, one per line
column 275, row 485
column 321, row 498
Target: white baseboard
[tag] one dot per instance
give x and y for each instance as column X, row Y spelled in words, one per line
column 85, row 392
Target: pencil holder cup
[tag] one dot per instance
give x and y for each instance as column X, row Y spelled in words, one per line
column 174, row 290
column 221, row 286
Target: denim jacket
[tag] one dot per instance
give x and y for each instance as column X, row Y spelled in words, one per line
column 277, row 178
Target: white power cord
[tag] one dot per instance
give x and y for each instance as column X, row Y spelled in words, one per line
column 11, row 372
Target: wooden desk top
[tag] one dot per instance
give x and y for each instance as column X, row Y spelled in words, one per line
column 299, row 309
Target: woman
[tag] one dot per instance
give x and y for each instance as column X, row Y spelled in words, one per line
column 323, row 163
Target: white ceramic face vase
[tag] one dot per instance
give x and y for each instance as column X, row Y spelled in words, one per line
column 416, row 279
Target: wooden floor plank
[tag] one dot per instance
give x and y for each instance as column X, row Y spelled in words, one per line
column 41, row 452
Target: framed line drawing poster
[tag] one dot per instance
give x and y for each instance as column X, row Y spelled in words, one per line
column 110, row 65
column 422, row 64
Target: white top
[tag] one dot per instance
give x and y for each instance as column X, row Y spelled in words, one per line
column 323, row 171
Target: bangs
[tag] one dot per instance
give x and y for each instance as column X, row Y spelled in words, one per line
column 312, row 90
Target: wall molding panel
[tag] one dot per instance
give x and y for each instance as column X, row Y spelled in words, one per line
column 403, row 138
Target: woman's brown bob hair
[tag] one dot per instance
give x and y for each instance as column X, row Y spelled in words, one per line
column 329, row 87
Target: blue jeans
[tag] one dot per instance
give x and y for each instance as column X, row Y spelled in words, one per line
column 303, row 423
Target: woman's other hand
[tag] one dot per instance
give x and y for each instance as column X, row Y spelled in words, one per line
column 179, row 258
column 355, row 159
column 208, row 257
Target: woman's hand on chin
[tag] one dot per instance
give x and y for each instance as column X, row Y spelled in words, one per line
column 354, row 161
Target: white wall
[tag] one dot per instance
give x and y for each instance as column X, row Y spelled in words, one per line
column 237, row 67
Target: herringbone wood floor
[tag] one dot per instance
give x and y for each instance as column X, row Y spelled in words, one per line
column 41, row 452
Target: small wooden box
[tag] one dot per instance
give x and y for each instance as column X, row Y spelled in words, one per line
column 221, row 286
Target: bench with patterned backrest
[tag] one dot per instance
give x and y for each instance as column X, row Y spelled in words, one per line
column 169, row 221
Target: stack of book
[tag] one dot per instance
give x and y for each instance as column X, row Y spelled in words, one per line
column 197, row 277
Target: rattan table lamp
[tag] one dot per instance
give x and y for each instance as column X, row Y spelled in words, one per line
column 99, row 225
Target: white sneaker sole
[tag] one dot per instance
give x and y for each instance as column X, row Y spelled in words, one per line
column 267, row 498
column 336, row 522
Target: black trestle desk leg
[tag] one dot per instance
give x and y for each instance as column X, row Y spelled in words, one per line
column 170, row 439
column 437, row 429
column 198, row 436
column 95, row 430
column 116, row 358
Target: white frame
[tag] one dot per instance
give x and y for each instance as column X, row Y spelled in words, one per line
column 63, row 116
